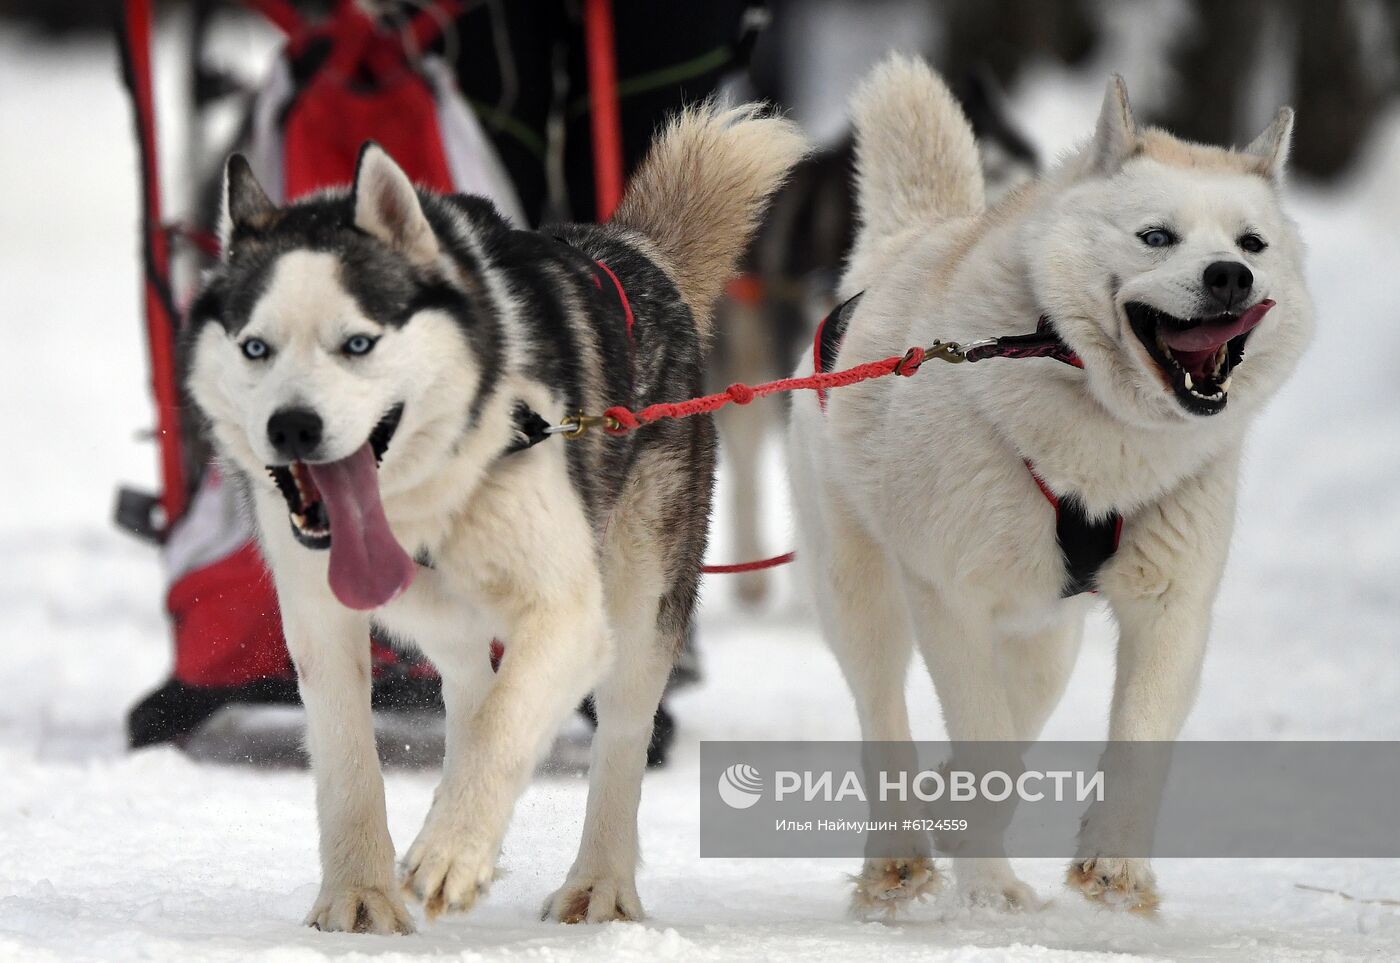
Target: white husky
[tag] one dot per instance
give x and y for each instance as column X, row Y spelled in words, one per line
column 1156, row 262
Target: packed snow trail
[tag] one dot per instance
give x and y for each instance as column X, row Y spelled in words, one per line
column 106, row 855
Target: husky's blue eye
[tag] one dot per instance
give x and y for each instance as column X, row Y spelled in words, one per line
column 255, row 349
column 359, row 344
column 1157, row 237
column 1252, row 243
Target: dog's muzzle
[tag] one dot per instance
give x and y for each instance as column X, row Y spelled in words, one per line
column 1196, row 356
column 311, row 524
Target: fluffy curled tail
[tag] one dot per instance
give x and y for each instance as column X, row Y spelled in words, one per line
column 916, row 157
column 701, row 190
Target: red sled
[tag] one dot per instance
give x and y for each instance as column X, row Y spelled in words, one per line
column 336, row 84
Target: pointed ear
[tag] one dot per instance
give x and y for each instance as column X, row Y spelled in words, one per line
column 1271, row 147
column 387, row 206
column 1115, row 134
column 246, row 204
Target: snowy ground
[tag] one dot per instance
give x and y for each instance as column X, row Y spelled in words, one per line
column 106, row 855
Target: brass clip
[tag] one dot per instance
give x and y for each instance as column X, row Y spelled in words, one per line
column 575, row 426
column 949, row 351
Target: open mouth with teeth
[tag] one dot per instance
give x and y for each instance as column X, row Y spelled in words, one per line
column 311, row 523
column 1196, row 356
column 368, row 567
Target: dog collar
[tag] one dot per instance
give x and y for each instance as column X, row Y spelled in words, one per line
column 1045, row 342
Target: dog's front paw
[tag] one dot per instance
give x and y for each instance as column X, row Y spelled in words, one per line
column 885, row 886
column 360, row 909
column 991, row 884
column 1121, row 884
column 446, row 878
column 594, row 899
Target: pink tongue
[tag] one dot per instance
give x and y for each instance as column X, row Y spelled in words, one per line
column 1209, row 337
column 368, row 567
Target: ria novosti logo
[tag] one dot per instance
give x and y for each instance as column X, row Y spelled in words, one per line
column 740, row 786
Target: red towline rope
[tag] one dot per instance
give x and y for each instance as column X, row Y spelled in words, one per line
column 620, row 420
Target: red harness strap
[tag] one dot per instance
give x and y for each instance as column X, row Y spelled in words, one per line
column 1050, row 496
column 621, row 294
column 738, row 567
column 755, row 566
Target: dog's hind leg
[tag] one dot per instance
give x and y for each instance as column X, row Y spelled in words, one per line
column 744, row 428
column 654, row 548
column 864, row 621
column 601, row 885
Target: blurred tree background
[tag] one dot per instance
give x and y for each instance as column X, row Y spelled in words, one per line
column 1334, row 60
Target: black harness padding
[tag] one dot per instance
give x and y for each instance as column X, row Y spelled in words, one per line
column 830, row 332
column 529, row 429
column 1085, row 543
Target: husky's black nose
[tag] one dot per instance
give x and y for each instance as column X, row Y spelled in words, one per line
column 295, row 432
column 1228, row 282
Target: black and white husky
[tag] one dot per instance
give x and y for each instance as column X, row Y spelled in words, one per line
column 374, row 365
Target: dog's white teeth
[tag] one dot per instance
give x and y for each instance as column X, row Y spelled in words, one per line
column 300, row 484
column 303, row 525
column 1189, row 383
column 1225, row 385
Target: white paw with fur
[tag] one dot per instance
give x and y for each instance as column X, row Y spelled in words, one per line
column 1121, row 884
column 885, row 886
column 594, row 898
column 990, row 883
column 446, row 870
column 360, row 909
